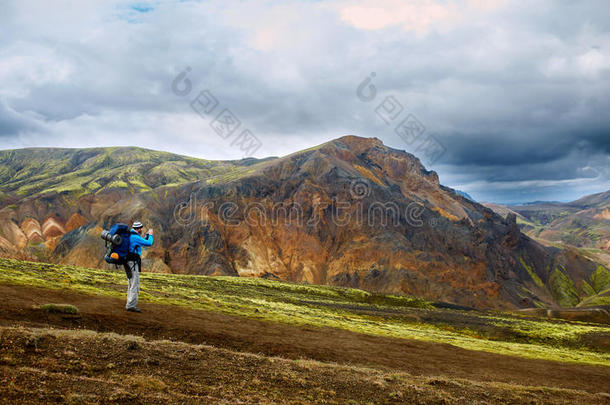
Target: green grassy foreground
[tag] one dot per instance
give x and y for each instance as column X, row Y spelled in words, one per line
column 324, row 306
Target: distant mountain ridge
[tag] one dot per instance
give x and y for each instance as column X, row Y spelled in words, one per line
column 537, row 203
column 419, row 237
column 583, row 223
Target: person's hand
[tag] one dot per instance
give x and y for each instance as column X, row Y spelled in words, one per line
column 150, row 231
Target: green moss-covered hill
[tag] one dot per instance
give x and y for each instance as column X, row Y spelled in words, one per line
column 38, row 171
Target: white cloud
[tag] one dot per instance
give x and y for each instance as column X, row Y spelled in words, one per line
column 419, row 16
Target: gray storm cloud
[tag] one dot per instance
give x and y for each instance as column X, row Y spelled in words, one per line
column 518, row 96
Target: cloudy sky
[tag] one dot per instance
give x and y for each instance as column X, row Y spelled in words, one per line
column 516, row 94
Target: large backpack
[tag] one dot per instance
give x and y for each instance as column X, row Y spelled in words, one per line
column 117, row 249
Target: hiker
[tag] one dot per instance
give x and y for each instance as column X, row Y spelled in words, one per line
column 133, row 265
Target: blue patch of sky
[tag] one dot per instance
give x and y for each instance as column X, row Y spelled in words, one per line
column 134, row 13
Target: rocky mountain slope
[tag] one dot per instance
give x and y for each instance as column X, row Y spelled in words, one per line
column 583, row 223
column 350, row 212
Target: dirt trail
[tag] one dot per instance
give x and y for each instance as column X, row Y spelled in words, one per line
column 325, row 344
column 76, row 367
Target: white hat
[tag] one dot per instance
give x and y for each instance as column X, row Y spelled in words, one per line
column 137, row 225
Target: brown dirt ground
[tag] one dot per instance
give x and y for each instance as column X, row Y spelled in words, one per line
column 69, row 366
column 107, row 314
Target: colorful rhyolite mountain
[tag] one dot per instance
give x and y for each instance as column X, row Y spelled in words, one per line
column 350, row 212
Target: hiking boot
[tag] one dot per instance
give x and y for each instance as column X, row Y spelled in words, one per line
column 136, row 309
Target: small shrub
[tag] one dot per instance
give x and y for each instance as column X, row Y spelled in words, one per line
column 59, row 308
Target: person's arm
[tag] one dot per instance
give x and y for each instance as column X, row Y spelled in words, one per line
column 141, row 241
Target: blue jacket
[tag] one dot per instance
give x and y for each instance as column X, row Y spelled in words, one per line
column 136, row 242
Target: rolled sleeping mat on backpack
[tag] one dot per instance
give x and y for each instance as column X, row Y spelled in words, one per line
column 114, row 239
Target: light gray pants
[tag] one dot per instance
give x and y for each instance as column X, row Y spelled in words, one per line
column 133, row 288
